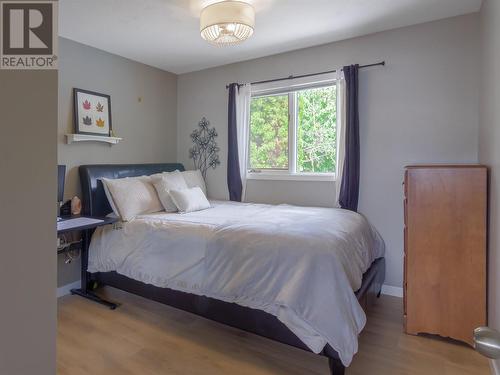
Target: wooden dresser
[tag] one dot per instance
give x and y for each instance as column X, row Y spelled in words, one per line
column 445, row 213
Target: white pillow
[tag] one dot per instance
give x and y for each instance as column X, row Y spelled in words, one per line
column 195, row 178
column 153, row 176
column 163, row 183
column 110, row 198
column 133, row 196
column 189, row 200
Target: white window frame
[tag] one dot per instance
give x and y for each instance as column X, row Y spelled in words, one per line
column 291, row 87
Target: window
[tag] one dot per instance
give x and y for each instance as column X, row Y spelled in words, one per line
column 293, row 132
column 269, row 125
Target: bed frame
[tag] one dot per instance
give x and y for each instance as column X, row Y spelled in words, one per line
column 255, row 321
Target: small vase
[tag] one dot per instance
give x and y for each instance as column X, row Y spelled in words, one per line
column 76, row 206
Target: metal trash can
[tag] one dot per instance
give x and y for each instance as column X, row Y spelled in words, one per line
column 487, row 342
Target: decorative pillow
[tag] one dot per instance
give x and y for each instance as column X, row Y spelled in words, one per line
column 189, row 200
column 133, row 196
column 195, row 178
column 165, row 182
column 110, row 198
column 161, row 174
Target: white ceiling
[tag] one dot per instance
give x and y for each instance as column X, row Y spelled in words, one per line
column 165, row 33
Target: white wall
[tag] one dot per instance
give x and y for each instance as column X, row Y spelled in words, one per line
column 489, row 142
column 422, row 107
column 28, row 107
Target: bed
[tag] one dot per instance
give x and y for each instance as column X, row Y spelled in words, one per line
column 215, row 263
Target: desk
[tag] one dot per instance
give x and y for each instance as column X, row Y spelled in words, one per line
column 80, row 226
column 87, row 228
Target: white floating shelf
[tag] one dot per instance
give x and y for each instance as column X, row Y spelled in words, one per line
column 70, row 138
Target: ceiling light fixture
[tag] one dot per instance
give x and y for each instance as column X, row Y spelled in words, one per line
column 227, row 22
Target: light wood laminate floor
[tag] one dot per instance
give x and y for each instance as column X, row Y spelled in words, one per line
column 147, row 338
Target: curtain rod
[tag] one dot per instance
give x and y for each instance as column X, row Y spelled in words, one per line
column 381, row 63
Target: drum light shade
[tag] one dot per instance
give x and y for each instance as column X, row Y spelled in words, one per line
column 227, row 22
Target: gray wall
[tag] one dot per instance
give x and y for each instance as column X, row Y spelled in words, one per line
column 489, row 142
column 28, row 107
column 148, row 127
column 422, row 107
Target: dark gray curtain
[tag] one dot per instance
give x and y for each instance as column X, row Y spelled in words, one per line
column 233, row 166
column 349, row 187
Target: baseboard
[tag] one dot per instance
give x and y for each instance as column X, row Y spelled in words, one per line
column 65, row 289
column 394, row 291
column 495, row 367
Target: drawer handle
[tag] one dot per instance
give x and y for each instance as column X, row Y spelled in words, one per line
column 487, row 342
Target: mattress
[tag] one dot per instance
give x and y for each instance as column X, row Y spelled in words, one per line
column 300, row 264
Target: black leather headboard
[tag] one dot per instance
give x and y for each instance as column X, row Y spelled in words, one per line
column 94, row 198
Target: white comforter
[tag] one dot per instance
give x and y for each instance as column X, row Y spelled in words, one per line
column 300, row 264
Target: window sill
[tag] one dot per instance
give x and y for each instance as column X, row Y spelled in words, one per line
column 291, row 177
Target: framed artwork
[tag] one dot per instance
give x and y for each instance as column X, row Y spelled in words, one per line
column 92, row 112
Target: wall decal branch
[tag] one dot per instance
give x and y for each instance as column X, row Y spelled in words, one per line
column 205, row 152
